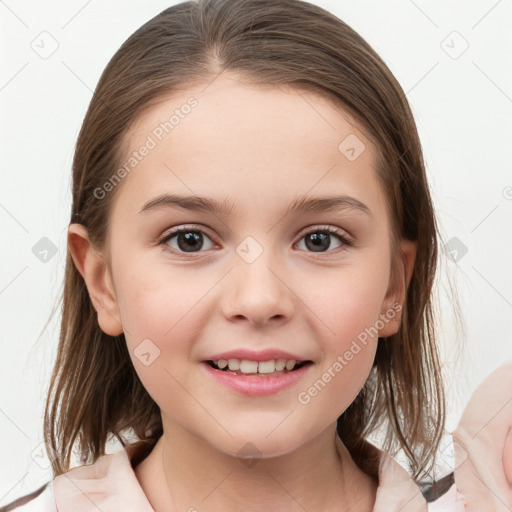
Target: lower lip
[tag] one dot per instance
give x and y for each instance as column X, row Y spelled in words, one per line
column 257, row 386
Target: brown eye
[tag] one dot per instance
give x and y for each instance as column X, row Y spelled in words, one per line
column 321, row 240
column 186, row 240
column 318, row 242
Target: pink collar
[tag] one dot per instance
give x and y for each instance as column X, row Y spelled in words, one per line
column 110, row 485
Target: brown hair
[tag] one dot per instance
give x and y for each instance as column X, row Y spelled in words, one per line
column 95, row 392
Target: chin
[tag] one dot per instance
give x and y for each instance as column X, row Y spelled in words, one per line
column 260, row 445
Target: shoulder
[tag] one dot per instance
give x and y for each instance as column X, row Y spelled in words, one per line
column 109, row 485
column 398, row 492
column 443, row 496
column 451, row 501
column 41, row 500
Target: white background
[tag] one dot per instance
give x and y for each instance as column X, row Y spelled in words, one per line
column 462, row 105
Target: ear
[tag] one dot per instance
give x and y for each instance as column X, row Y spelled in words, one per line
column 92, row 265
column 397, row 293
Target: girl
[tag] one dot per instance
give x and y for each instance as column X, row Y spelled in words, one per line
column 247, row 298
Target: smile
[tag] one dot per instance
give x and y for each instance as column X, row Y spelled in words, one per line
column 272, row 367
column 256, row 378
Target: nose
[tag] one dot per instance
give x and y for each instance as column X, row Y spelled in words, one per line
column 258, row 292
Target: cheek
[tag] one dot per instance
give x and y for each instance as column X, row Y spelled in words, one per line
column 159, row 318
column 348, row 305
column 155, row 303
column 348, row 309
column 162, row 312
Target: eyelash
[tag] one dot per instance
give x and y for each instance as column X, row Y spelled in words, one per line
column 344, row 239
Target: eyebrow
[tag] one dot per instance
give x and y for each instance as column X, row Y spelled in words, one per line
column 302, row 204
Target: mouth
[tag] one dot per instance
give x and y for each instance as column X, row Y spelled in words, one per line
column 270, row 368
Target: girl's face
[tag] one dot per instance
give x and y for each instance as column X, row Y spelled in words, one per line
column 278, row 270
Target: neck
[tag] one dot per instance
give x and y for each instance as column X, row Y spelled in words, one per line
column 184, row 473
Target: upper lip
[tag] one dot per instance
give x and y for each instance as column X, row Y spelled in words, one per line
column 253, row 355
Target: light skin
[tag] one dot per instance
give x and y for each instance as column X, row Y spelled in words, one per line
column 259, row 147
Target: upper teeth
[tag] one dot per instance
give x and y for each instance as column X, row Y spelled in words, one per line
column 247, row 366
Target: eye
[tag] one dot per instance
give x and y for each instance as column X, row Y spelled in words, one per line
column 192, row 240
column 320, row 239
column 186, row 240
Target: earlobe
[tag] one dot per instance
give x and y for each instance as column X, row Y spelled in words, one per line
column 91, row 264
column 395, row 298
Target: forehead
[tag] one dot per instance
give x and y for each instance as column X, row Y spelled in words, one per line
column 230, row 137
column 256, row 112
